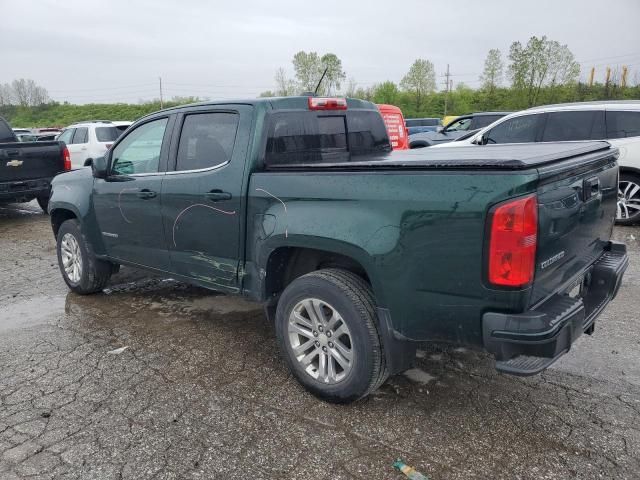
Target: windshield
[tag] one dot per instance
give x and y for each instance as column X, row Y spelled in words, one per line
column 107, row 134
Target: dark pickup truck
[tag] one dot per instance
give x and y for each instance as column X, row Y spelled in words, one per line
column 357, row 252
column 27, row 168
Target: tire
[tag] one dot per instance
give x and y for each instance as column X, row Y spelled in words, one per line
column 92, row 274
column 330, row 291
column 628, row 211
column 43, row 201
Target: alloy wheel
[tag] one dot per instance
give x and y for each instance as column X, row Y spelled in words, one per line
column 320, row 340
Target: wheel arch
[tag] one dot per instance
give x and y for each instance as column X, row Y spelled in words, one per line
column 59, row 215
column 285, row 263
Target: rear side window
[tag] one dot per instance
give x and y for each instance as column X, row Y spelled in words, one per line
column 521, row 129
column 81, row 135
column 569, row 126
column 107, row 134
column 309, row 137
column 6, row 134
column 206, row 140
column 623, row 124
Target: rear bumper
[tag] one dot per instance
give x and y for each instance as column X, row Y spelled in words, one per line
column 527, row 343
column 21, row 190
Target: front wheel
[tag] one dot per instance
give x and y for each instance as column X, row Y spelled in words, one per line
column 628, row 211
column 326, row 328
column 81, row 270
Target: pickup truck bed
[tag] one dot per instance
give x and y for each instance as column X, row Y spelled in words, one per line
column 357, row 252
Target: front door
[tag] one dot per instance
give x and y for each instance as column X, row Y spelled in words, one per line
column 202, row 196
column 127, row 203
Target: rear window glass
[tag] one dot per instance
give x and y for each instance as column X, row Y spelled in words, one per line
column 623, row 124
column 311, row 137
column 107, row 134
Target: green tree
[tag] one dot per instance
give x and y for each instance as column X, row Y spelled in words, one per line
column 386, row 92
column 334, row 76
column 541, row 63
column 420, row 81
column 308, row 69
column 285, row 86
column 493, row 68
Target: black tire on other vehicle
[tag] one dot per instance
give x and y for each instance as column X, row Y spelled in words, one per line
column 43, row 201
column 628, row 212
column 341, row 297
column 93, row 274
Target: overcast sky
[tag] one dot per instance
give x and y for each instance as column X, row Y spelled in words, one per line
column 102, row 51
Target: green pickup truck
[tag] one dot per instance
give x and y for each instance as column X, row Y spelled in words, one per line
column 358, row 253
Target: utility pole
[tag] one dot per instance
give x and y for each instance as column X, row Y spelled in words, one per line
column 593, row 72
column 448, row 83
column 161, row 100
column 625, row 72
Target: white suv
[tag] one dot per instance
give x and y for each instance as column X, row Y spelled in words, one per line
column 89, row 140
column 615, row 121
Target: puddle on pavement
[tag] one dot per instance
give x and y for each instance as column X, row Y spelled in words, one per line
column 32, row 311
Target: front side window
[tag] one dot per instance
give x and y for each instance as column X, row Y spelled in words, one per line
column 206, row 140
column 623, row 124
column 571, row 126
column 66, row 136
column 81, row 135
column 521, row 129
column 459, row 125
column 139, row 151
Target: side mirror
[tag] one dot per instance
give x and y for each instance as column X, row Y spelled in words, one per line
column 439, row 129
column 99, row 167
column 482, row 139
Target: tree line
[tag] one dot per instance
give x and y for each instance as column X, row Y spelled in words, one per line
column 542, row 71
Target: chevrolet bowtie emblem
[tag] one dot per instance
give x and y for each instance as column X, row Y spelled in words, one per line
column 14, row 163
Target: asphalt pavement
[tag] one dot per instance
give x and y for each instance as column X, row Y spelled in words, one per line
column 154, row 379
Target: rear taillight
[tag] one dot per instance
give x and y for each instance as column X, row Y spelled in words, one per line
column 67, row 159
column 325, row 103
column 513, row 241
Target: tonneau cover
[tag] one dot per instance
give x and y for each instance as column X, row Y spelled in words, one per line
column 502, row 157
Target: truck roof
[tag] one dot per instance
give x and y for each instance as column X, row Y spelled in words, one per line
column 272, row 103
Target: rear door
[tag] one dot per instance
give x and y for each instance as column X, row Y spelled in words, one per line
column 202, row 197
column 127, row 203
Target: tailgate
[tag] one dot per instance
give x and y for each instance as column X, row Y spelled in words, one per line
column 576, row 209
column 30, row 161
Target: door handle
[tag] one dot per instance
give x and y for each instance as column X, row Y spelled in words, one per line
column 217, row 195
column 146, row 194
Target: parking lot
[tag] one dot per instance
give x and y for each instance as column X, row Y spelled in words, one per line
column 155, row 379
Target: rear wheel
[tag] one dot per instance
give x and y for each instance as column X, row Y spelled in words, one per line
column 628, row 211
column 81, row 270
column 326, row 328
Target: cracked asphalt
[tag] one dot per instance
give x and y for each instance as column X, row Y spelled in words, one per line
column 200, row 392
